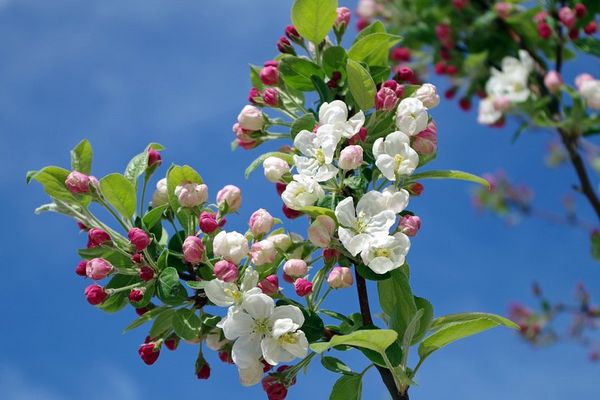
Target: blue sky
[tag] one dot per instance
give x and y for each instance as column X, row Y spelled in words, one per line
column 126, row 73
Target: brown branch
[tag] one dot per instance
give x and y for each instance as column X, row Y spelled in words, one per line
column 365, row 311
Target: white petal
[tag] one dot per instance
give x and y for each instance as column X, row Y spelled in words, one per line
column 259, row 306
column 325, row 173
column 387, row 166
column 237, row 324
column 283, row 326
column 246, row 351
column 288, row 311
column 371, row 203
column 250, row 279
column 252, row 375
column 215, row 291
column 306, row 166
column 300, row 348
column 273, row 353
column 354, row 124
column 395, row 200
column 344, row 212
column 378, row 147
column 381, row 265
column 381, row 223
column 305, row 142
column 357, row 243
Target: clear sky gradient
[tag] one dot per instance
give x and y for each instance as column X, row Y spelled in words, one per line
column 124, row 73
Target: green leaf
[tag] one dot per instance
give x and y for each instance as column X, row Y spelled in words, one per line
column 314, row 18
column 53, row 181
column 186, row 324
column 335, row 365
column 408, row 336
column 451, row 328
column 153, row 217
column 162, row 324
column 373, row 49
column 425, row 321
column 304, row 123
column 81, row 157
column 373, row 339
column 325, row 93
column 361, row 85
column 450, row 174
column 397, row 301
column 373, row 27
column 110, row 254
column 315, row 211
column 369, row 274
column 196, row 284
column 588, row 45
column 334, row 59
column 296, row 72
column 595, row 246
column 288, row 158
column 255, row 77
column 147, row 316
column 348, row 387
column 136, row 167
column 120, row 193
column 169, row 289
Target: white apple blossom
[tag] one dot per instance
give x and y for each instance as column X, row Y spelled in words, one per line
column 262, row 252
column 191, row 194
column 427, row 93
column 394, row 156
column 488, row 114
column 385, row 253
column 359, row 226
column 256, row 321
column 160, row 196
column 232, row 246
column 333, row 119
column 590, row 91
column 411, row 116
column 511, row 80
column 225, row 294
column 317, row 153
column 303, row 191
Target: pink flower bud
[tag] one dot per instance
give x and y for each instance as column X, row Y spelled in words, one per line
column 303, row 287
column 464, row 104
column 203, row 372
column 322, row 229
column 289, row 213
column 77, row 183
column 275, row 168
column 95, row 294
column 191, row 194
column 503, row 9
column 274, row 389
column 284, row 46
column 172, row 342
column 269, row 285
column 410, row 225
column 292, row 34
column 340, row 278
column 262, row 253
column 226, row 271
column 154, row 158
column 271, row 97
column 343, row 18
column 225, row 356
column 136, row 295
column 254, row 96
column 136, row 258
column 97, row 237
column 460, row 4
column 260, row 222
column 416, row 189
column 149, row 353
column 280, row 187
column 427, row 93
column 146, row 273
column 443, row 32
column 98, row 268
column 193, row 250
column 405, row 73
column 385, row 99
column 295, row 268
column 269, row 75
column 141, row 311
column 230, row 195
column 360, row 137
column 251, row 118
column 208, row 222
column 425, row 142
column 553, row 81
column 501, row 103
column 138, row 238
column 591, row 28
column 81, row 226
column 580, row 10
column 567, row 17
column 399, row 54
column 440, row 67
column 544, row 30
column 81, row 268
column 351, row 157
column 362, row 23
column 330, row 255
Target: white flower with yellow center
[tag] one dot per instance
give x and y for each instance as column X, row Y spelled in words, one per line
column 385, row 253
column 225, row 294
column 511, row 81
column 411, row 116
column 255, row 323
column 317, row 154
column 359, row 226
column 333, row 119
column 303, row 191
column 394, row 157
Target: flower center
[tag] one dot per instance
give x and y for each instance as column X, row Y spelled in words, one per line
column 320, row 156
column 288, row 338
column 235, row 295
column 383, row 253
column 361, row 222
column 262, row 326
column 398, row 160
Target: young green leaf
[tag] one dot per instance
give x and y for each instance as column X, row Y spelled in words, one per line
column 373, row 339
column 153, row 217
column 162, row 323
column 361, row 85
column 314, row 18
column 53, row 181
column 314, row 211
column 335, row 365
column 348, row 387
column 147, row 316
column 397, row 301
column 117, row 301
column 306, row 122
column 451, row 328
column 169, row 289
column 81, row 157
column 120, row 193
column 186, row 324
column 296, row 72
column 373, row 49
column 451, row 174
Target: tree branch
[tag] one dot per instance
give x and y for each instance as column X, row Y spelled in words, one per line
column 365, row 311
